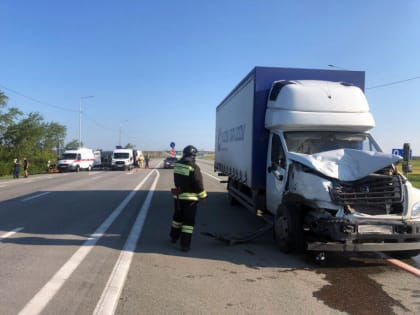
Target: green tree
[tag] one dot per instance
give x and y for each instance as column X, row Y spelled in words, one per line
column 72, row 144
column 25, row 136
column 29, row 137
column 8, row 117
column 54, row 136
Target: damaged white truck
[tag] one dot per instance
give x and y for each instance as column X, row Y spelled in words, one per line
column 295, row 145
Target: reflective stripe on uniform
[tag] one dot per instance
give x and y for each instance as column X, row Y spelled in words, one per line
column 187, row 229
column 203, row 194
column 191, row 196
column 188, row 196
column 183, row 169
column 176, row 225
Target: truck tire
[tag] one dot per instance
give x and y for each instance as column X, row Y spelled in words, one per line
column 288, row 230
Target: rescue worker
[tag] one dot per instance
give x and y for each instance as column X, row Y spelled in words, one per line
column 188, row 191
column 16, row 169
column 141, row 161
column 147, row 159
column 25, row 167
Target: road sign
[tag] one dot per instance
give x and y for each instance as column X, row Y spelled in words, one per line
column 172, row 145
column 400, row 152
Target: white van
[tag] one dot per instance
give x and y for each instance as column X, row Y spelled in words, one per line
column 76, row 160
column 122, row 159
column 97, row 163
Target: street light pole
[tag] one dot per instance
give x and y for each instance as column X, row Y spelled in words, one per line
column 80, row 118
column 336, row 67
column 119, row 137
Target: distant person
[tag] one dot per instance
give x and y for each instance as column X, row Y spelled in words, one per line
column 188, row 191
column 141, row 161
column 16, row 169
column 25, row 167
column 147, row 159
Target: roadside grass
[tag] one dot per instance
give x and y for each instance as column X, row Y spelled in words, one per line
column 414, row 176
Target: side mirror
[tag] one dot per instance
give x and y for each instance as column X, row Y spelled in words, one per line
column 406, row 152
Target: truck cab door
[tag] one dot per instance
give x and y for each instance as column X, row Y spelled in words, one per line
column 276, row 176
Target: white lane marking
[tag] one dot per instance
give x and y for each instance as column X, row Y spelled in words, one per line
column 8, row 234
column 110, row 296
column 216, row 178
column 36, row 196
column 50, row 289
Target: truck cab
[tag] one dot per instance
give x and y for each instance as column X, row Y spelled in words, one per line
column 329, row 185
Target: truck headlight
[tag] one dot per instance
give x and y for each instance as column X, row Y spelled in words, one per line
column 415, row 211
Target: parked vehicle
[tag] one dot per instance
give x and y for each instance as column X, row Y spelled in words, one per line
column 169, row 162
column 76, row 159
column 122, row 159
column 97, row 163
column 296, row 147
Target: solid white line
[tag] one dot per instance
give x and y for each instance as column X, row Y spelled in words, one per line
column 48, row 291
column 8, row 234
column 110, row 296
column 36, row 196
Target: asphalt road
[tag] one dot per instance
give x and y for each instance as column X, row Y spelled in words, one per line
column 97, row 242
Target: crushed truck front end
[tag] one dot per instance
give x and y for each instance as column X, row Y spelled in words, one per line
column 361, row 205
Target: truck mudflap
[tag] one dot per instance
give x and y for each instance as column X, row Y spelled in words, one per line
column 344, row 236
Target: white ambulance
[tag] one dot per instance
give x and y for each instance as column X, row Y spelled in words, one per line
column 76, row 160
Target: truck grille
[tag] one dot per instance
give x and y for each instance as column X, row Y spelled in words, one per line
column 374, row 195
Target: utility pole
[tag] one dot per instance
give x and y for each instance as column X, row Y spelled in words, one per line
column 80, row 118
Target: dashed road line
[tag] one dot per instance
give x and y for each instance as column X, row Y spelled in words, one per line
column 9, row 234
column 36, row 196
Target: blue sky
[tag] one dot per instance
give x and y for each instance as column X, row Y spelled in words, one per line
column 158, row 69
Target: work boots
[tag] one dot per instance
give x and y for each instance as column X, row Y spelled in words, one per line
column 185, row 242
column 175, row 234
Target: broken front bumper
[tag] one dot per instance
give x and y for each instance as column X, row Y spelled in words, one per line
column 343, row 236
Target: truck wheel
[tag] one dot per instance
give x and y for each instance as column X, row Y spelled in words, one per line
column 288, row 230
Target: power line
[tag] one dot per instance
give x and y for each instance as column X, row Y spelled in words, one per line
column 379, row 85
column 37, row 101
column 392, row 83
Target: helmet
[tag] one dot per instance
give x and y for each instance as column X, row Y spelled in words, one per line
column 189, row 150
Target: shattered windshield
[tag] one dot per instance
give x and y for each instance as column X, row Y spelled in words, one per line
column 310, row 142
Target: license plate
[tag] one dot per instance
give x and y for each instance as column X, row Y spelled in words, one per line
column 375, row 229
